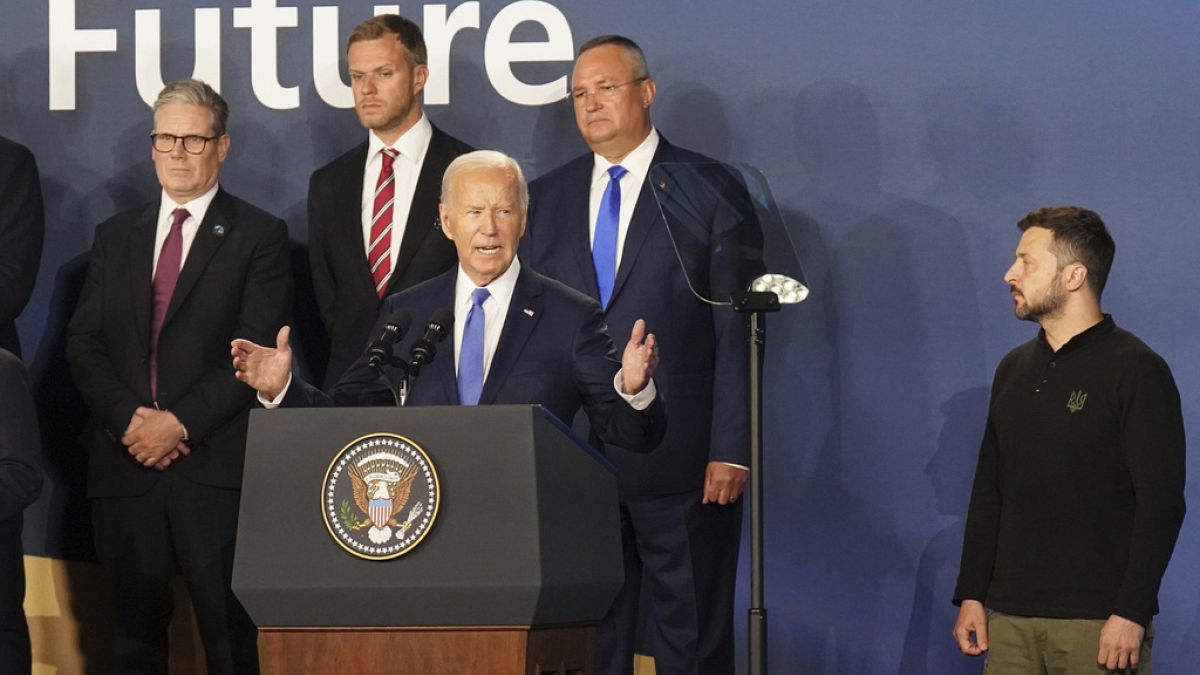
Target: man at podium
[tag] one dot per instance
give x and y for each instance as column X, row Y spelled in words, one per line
column 518, row 337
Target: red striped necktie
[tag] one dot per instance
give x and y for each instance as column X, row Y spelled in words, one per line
column 379, row 250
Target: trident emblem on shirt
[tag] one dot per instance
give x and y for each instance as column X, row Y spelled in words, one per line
column 1075, row 403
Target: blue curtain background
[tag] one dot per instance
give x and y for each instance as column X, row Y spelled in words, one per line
column 902, row 140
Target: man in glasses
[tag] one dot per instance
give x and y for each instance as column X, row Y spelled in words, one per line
column 594, row 226
column 372, row 212
column 169, row 284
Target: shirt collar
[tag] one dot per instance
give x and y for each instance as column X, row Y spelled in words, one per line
column 1081, row 340
column 637, row 162
column 411, row 145
column 196, row 208
column 501, row 287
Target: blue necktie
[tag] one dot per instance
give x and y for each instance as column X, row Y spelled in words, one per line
column 604, row 243
column 470, row 358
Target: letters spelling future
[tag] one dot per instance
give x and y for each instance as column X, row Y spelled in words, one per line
column 266, row 20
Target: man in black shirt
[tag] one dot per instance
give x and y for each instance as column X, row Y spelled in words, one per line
column 1078, row 494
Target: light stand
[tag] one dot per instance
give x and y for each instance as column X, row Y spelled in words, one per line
column 767, row 294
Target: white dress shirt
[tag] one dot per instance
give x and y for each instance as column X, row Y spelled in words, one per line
column 196, row 210
column 637, row 166
column 406, row 168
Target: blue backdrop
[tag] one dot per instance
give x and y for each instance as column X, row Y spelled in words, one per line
column 903, row 141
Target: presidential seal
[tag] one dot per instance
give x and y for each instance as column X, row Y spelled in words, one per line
column 380, row 496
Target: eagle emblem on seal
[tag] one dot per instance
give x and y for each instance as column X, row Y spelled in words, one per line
column 380, row 496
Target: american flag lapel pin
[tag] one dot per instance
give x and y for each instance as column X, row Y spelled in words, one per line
column 528, row 312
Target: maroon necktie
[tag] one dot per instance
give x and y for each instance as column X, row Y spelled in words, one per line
column 379, row 249
column 165, row 278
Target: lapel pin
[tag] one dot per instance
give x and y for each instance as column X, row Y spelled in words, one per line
column 218, row 230
column 528, row 312
column 662, row 185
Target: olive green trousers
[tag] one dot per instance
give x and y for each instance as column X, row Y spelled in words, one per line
column 1023, row 645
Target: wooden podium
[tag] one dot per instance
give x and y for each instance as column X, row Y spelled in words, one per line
column 493, row 650
column 520, row 563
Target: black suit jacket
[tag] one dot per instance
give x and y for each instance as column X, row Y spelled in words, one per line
column 554, row 350
column 704, row 369
column 235, row 282
column 21, row 231
column 20, row 484
column 342, row 278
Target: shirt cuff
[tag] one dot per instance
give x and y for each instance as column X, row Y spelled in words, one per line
column 271, row 404
column 640, row 400
column 736, row 466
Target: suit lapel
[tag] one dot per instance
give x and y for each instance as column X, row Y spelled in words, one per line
column 524, row 312
column 578, row 227
column 346, row 229
column 645, row 218
column 141, row 271
column 442, row 369
column 422, row 211
column 214, row 229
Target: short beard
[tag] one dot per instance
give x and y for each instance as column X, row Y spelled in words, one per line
column 1048, row 307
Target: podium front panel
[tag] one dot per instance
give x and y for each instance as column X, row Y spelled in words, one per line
column 526, row 533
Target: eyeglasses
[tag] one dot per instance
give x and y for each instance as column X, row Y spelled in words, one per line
column 194, row 145
column 605, row 92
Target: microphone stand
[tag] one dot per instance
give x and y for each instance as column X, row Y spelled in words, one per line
column 422, row 352
column 400, row 392
column 756, row 304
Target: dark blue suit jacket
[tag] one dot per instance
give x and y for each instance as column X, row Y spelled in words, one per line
column 235, row 282
column 704, row 369
column 554, row 350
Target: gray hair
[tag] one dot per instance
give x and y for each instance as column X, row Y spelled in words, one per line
column 637, row 59
column 196, row 92
column 487, row 159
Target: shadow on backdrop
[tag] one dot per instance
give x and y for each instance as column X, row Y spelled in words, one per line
column 928, row 647
column 894, row 309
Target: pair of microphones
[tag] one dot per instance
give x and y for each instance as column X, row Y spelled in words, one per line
column 381, row 351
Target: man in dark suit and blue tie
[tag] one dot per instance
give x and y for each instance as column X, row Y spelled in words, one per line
column 372, row 212
column 518, row 337
column 168, row 285
column 595, row 225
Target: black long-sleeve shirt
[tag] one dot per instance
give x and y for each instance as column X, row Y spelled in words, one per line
column 1078, row 494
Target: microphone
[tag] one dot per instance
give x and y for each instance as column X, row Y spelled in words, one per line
column 380, row 352
column 440, row 323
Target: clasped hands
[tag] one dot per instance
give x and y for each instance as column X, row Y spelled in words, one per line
column 154, row 438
